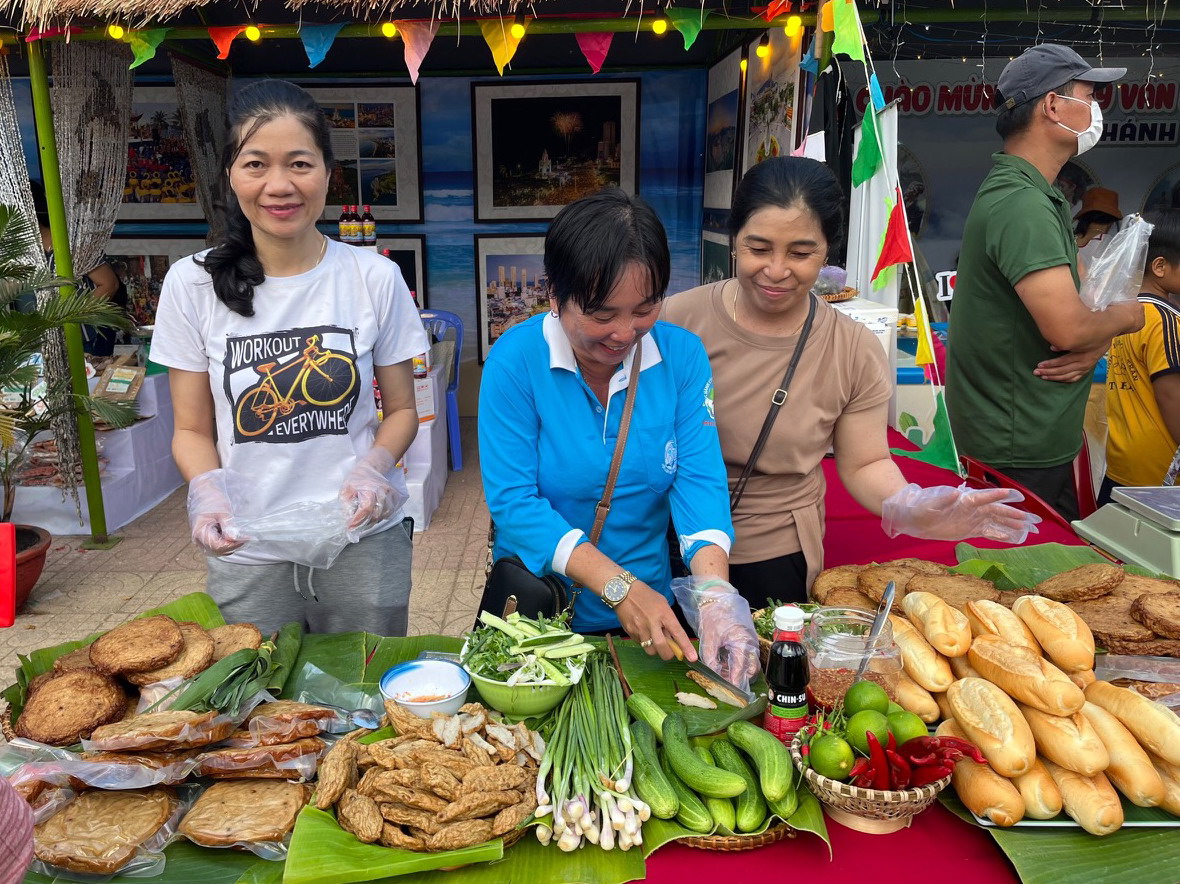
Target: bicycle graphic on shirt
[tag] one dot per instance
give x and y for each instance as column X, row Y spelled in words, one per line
column 322, row 378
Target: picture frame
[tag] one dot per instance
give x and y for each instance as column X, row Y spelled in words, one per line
column 723, row 130
column 161, row 182
column 504, row 266
column 141, row 264
column 408, row 251
column 771, row 99
column 538, row 146
column 716, row 259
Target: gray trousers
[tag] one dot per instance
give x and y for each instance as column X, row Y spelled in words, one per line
column 366, row 589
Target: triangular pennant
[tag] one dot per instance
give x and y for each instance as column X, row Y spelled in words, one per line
column 417, row 35
column 595, row 47
column 688, row 21
column 498, row 36
column 809, row 62
column 37, row 34
column 868, row 154
column 773, row 11
column 940, row 451
column 144, row 44
column 876, row 93
column 317, row 40
column 848, row 40
column 925, row 355
column 896, row 248
column 223, row 37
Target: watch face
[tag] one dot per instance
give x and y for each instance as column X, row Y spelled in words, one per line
column 615, row 590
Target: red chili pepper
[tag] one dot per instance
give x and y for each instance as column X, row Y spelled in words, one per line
column 892, row 744
column 865, row 780
column 899, row 770
column 879, row 761
column 862, row 766
column 924, row 776
column 919, row 760
column 919, row 747
column 968, row 749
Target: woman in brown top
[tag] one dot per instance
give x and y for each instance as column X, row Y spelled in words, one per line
column 786, row 215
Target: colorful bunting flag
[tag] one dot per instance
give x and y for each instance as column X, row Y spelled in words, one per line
column 144, row 44
column 875, row 92
column 896, row 248
column 809, row 62
column 499, row 38
column 37, row 34
column 940, row 450
column 868, row 155
column 417, row 37
column 773, row 11
column 925, row 355
column 848, row 39
column 223, row 37
column 595, row 47
column 317, row 40
column 688, row 21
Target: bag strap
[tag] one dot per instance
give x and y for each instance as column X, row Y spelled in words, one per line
column 602, row 510
column 777, row 399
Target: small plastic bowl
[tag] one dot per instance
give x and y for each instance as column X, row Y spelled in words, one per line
column 443, row 683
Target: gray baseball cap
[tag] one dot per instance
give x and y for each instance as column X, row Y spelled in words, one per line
column 1045, row 68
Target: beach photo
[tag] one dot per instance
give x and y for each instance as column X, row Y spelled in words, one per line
column 721, row 134
column 376, row 144
column 512, row 284
column 379, row 182
column 770, row 99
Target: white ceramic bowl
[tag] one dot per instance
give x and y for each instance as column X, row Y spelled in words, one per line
column 426, row 686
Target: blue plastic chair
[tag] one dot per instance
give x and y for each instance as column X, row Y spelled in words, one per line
column 438, row 323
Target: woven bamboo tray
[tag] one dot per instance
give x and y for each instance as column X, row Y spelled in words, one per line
column 763, row 643
column 874, row 811
column 736, row 843
column 845, row 294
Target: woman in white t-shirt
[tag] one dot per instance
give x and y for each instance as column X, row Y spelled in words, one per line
column 274, row 339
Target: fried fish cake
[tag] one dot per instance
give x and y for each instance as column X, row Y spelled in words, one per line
column 138, row 645
column 922, row 566
column 1159, row 612
column 1132, row 586
column 873, row 580
column 70, row 705
column 234, row 637
column 337, row 772
column 460, row 834
column 195, row 657
column 257, row 760
column 79, row 659
column 1081, row 584
column 359, row 815
column 1153, row 690
column 845, row 597
column 1156, row 647
column 840, row 577
column 99, row 832
column 1111, row 617
column 245, row 811
column 496, row 778
column 955, row 589
column 154, row 730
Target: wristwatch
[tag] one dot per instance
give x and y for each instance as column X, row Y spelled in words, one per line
column 616, row 589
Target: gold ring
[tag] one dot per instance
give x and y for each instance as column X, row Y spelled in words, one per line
column 646, row 643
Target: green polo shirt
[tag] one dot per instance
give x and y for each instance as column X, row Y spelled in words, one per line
column 1002, row 414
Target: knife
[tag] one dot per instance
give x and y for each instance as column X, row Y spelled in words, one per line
column 723, row 689
column 875, row 629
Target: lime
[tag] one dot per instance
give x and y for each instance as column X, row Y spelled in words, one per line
column 893, row 707
column 831, row 756
column 865, row 695
column 864, row 721
column 905, row 726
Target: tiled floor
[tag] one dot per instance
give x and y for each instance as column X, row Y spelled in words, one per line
column 83, row 591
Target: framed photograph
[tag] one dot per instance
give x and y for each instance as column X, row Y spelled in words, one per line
column 408, row 251
column 716, row 260
column 512, row 283
column 768, row 118
column 722, row 132
column 378, row 147
column 161, row 184
column 539, row 146
column 141, row 265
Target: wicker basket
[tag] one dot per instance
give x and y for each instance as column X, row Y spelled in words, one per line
column 763, row 643
column 874, row 811
column 735, row 843
column 845, row 294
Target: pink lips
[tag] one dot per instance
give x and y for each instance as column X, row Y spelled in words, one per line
column 281, row 211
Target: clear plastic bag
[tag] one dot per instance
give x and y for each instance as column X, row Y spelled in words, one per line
column 61, row 767
column 1117, row 273
column 724, row 623
column 306, row 533
column 296, row 760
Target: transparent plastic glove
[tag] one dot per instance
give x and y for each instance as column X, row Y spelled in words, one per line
column 724, row 624
column 210, row 513
column 947, row 513
column 368, row 495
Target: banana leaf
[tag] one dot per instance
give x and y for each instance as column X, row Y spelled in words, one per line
column 288, row 640
column 1026, row 566
column 530, row 862
column 187, row 864
column 1073, row 856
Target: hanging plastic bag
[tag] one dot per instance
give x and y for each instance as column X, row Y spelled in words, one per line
column 306, row 533
column 1117, row 274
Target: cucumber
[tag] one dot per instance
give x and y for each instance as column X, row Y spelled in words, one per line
column 776, row 772
column 785, row 806
column 644, row 708
column 692, row 813
column 751, row 806
column 721, row 809
column 649, row 780
column 702, row 778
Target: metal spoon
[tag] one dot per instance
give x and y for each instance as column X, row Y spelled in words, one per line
column 354, row 718
column 875, row 629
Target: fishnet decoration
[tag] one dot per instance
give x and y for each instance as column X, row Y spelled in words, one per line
column 14, row 177
column 43, row 14
column 372, row 10
column 201, row 96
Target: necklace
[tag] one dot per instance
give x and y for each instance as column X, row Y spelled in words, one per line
column 323, row 251
column 736, row 292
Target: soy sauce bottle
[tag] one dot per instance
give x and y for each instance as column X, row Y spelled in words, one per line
column 787, row 674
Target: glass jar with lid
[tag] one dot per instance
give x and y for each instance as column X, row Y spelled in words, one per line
column 836, row 640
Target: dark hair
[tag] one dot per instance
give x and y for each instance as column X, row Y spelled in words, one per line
column 234, row 264
column 1013, row 121
column 40, row 204
column 1085, row 219
column 784, row 182
column 591, row 242
column 1165, row 236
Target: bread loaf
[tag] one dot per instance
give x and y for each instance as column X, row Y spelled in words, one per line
column 944, row 627
column 914, row 698
column 984, row 792
column 1067, row 740
column 1083, row 678
column 1042, row 798
column 1064, row 636
column 994, row 724
column 1154, row 725
column 944, row 707
column 1091, row 801
column 1024, row 676
column 961, row 668
column 1170, row 777
column 1130, row 770
column 921, row 662
column 992, row 618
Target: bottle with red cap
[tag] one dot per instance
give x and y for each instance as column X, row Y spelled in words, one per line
column 368, row 228
column 788, row 675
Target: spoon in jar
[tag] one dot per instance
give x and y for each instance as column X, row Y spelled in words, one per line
column 875, row 629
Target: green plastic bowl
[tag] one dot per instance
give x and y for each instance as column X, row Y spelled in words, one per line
column 519, row 701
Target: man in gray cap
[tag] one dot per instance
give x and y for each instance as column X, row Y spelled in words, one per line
column 1022, row 345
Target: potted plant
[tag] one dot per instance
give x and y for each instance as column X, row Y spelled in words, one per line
column 28, row 405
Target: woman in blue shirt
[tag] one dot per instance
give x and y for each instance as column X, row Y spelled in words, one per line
column 550, row 405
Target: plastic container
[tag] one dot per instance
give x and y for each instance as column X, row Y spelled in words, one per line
column 787, row 675
column 836, row 639
column 426, row 686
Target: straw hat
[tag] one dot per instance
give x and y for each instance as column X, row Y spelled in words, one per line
column 1100, row 199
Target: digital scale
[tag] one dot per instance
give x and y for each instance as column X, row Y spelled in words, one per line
column 1141, row 527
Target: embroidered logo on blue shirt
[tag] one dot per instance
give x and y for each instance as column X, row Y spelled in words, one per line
column 670, row 457
column 709, row 398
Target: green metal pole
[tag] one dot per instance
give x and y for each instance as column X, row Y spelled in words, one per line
column 63, row 262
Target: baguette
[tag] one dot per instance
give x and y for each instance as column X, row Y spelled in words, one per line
column 1025, row 676
column 961, row 668
column 944, row 707
column 981, row 789
column 1068, row 740
column 1091, row 801
column 992, row 618
column 1064, row 635
column 1083, row 679
column 914, row 698
column 1154, row 725
column 1042, row 798
column 946, row 628
column 1170, row 777
column 921, row 662
column 994, row 724
column 1130, row 769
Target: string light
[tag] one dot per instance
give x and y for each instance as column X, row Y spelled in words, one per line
column 763, row 49
column 793, row 27
column 253, row 34
column 115, row 32
column 517, row 29
column 389, row 29
column 659, row 26
column 743, row 65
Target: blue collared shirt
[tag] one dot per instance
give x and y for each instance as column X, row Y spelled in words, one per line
column 545, row 447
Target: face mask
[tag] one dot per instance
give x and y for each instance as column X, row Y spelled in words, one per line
column 1089, row 136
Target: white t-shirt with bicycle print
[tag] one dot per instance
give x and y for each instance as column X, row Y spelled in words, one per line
column 293, row 384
